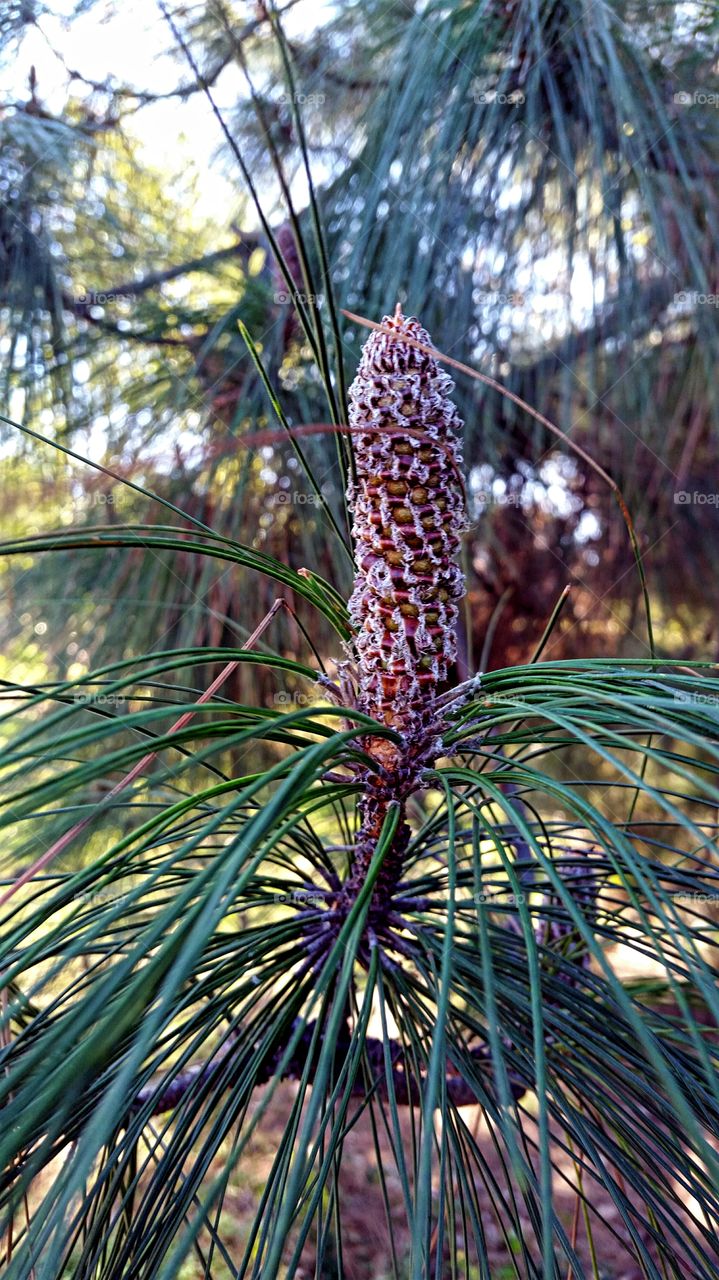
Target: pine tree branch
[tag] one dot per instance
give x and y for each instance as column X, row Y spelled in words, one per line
column 407, row 1089
column 241, row 248
column 82, row 306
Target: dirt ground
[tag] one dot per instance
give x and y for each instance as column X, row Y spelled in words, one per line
column 366, row 1240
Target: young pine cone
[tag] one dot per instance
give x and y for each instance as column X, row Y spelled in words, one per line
column 409, row 511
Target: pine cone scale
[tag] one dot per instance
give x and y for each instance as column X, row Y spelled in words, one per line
column 408, row 510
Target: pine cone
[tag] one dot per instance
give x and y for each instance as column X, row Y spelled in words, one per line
column 409, row 511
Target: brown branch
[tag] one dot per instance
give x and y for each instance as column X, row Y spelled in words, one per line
column 407, row 1089
column 241, row 248
column 82, row 306
column 146, row 97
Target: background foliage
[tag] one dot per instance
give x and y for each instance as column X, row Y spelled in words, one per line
column 536, row 181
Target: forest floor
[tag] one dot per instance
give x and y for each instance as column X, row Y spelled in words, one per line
column 366, row 1247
